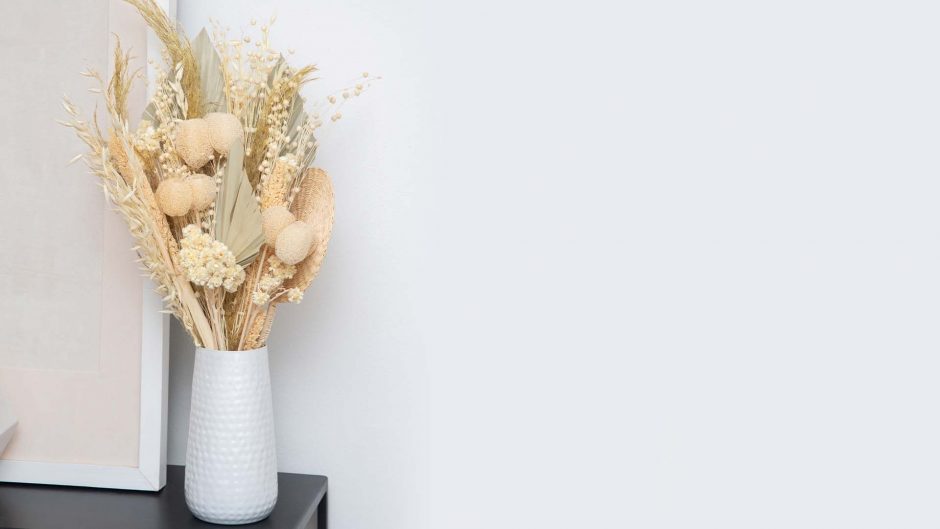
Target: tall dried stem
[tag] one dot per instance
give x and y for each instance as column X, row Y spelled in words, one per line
column 178, row 49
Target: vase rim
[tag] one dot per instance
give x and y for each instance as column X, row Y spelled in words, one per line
column 259, row 349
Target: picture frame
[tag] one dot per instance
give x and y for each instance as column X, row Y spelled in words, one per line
column 69, row 466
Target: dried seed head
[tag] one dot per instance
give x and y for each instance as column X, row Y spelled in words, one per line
column 192, row 142
column 174, row 197
column 273, row 222
column 294, row 243
column 274, row 190
column 203, row 191
column 118, row 156
column 224, row 130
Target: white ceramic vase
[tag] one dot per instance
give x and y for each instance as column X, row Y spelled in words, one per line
column 231, row 465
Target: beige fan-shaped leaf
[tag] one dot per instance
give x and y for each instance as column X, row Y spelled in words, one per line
column 211, row 83
column 237, row 217
column 314, row 205
column 210, row 74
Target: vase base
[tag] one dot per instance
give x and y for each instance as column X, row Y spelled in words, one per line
column 232, row 520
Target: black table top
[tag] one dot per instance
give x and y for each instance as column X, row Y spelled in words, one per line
column 54, row 507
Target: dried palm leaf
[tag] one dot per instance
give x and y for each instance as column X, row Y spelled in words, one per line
column 238, row 219
column 314, row 205
column 211, row 82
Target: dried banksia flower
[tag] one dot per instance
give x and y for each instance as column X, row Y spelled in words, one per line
column 274, row 189
column 203, row 191
column 294, row 243
column 273, row 221
column 174, row 197
column 192, row 142
column 224, row 130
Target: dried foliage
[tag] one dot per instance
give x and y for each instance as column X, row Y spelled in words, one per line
column 276, row 113
column 224, row 137
column 178, row 50
column 121, row 80
column 314, row 204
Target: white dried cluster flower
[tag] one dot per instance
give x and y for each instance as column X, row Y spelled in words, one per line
column 295, row 295
column 208, row 262
column 280, row 269
column 275, row 275
column 260, row 297
column 146, row 139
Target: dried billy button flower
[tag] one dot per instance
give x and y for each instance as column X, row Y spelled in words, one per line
column 174, row 197
column 273, row 221
column 203, row 191
column 294, row 243
column 224, row 130
column 192, row 142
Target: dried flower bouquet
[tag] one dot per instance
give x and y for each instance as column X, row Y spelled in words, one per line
column 215, row 180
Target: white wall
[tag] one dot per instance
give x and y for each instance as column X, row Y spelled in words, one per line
column 349, row 369
column 705, row 240
column 674, row 265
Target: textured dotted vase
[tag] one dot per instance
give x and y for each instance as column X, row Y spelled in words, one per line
column 231, row 465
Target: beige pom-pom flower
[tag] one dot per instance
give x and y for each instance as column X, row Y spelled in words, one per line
column 192, row 142
column 174, row 197
column 294, row 243
column 224, row 130
column 273, row 221
column 203, row 191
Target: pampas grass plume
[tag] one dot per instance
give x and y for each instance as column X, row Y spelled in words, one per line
column 118, row 155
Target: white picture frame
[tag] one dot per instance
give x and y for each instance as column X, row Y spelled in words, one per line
column 150, row 472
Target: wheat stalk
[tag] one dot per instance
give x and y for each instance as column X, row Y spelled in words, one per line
column 121, row 80
column 178, row 49
column 133, row 197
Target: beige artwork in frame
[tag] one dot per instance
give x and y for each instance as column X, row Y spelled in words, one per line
column 83, row 344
